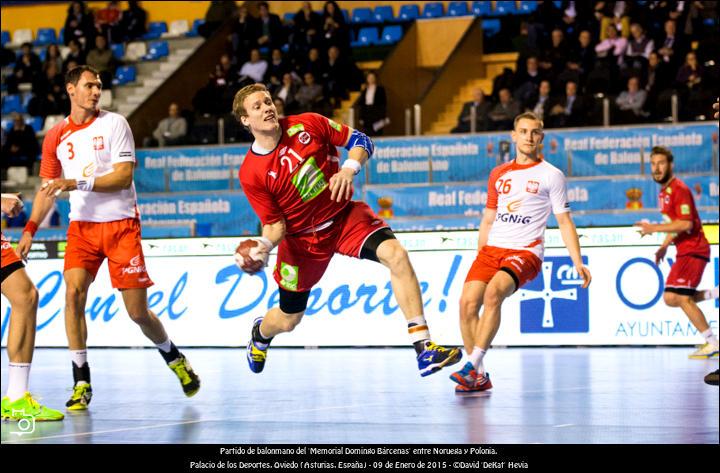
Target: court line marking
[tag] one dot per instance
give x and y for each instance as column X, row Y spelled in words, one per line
column 155, row 426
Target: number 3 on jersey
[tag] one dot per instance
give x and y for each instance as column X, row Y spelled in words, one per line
column 71, row 153
column 503, row 186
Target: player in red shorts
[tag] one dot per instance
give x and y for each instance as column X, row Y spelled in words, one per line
column 18, row 403
column 521, row 195
column 684, row 229
column 95, row 151
column 292, row 177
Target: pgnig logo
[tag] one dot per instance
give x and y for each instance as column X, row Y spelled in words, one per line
column 555, row 302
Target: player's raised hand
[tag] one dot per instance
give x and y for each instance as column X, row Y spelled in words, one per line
column 584, row 272
column 54, row 187
column 341, row 185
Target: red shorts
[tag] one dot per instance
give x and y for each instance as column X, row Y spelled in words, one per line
column 89, row 243
column 685, row 274
column 303, row 258
column 8, row 255
column 523, row 265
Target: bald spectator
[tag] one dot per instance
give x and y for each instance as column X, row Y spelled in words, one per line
column 482, row 108
column 255, row 68
column 504, row 112
column 102, row 59
column 570, row 109
column 310, row 94
column 631, row 102
column 171, row 131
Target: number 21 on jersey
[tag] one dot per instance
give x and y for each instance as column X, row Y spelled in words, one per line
column 285, row 160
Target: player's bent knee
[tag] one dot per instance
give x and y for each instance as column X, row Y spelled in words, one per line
column 139, row 317
column 290, row 321
column 26, row 299
column 671, row 299
column 392, row 254
column 492, row 298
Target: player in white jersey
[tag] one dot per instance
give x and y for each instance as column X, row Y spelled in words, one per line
column 95, row 151
column 521, row 195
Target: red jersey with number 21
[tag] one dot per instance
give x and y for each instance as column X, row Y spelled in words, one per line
column 677, row 203
column 291, row 182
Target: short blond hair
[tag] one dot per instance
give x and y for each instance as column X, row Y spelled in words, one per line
column 529, row 116
column 238, row 108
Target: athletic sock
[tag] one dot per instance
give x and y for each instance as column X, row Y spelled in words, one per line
column 710, row 337
column 476, row 358
column 19, row 374
column 709, row 294
column 260, row 341
column 419, row 333
column 79, row 357
column 168, row 350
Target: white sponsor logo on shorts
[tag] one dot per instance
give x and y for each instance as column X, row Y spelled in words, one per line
column 135, row 266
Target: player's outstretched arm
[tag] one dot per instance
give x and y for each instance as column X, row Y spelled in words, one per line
column 572, row 243
column 119, row 179
column 11, row 205
column 272, row 235
column 676, row 226
column 42, row 205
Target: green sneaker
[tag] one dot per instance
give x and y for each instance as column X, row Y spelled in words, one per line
column 189, row 381
column 81, row 397
column 28, row 408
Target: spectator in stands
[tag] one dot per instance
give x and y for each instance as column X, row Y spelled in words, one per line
column 133, row 22
column 689, row 84
column 277, row 67
column 313, row 64
column 7, row 57
column 51, row 76
column 52, row 54
column 310, row 95
column 79, row 25
column 245, row 32
column 50, row 96
column 504, row 112
column 307, row 28
column 279, row 107
column 504, row 80
column 612, row 49
column 372, row 105
column 541, row 103
column 570, row 110
column 270, row 27
column 107, row 22
column 339, row 74
column 631, row 102
column 557, row 55
column 335, row 29
column 27, row 69
column 21, row 147
column 287, row 92
column 171, row 131
column 75, row 54
column 527, row 82
column 638, row 50
column 255, row 68
column 672, row 47
column 482, row 108
column 218, row 12
column 581, row 61
column 102, row 59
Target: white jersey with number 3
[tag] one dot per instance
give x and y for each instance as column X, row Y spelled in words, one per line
column 87, row 150
column 524, row 195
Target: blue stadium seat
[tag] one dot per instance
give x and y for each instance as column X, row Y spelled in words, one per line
column 42, row 54
column 391, row 34
column 118, row 50
column 5, row 37
column 528, row 7
column 6, row 124
column 35, row 122
column 367, row 36
column 155, row 30
column 61, row 36
column 25, row 98
column 45, row 36
column 482, row 8
column 157, row 50
column 362, row 15
column 409, row 12
column 288, row 17
column 433, row 10
column 557, row 3
column 125, row 75
column 505, row 7
column 12, row 103
column 384, row 14
column 491, row 27
column 346, row 15
column 458, row 9
column 194, row 30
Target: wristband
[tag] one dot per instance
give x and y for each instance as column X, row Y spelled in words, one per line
column 352, row 164
column 85, row 184
column 30, row 227
column 266, row 241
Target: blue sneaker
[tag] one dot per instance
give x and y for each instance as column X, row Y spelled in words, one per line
column 435, row 357
column 255, row 356
column 466, row 376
